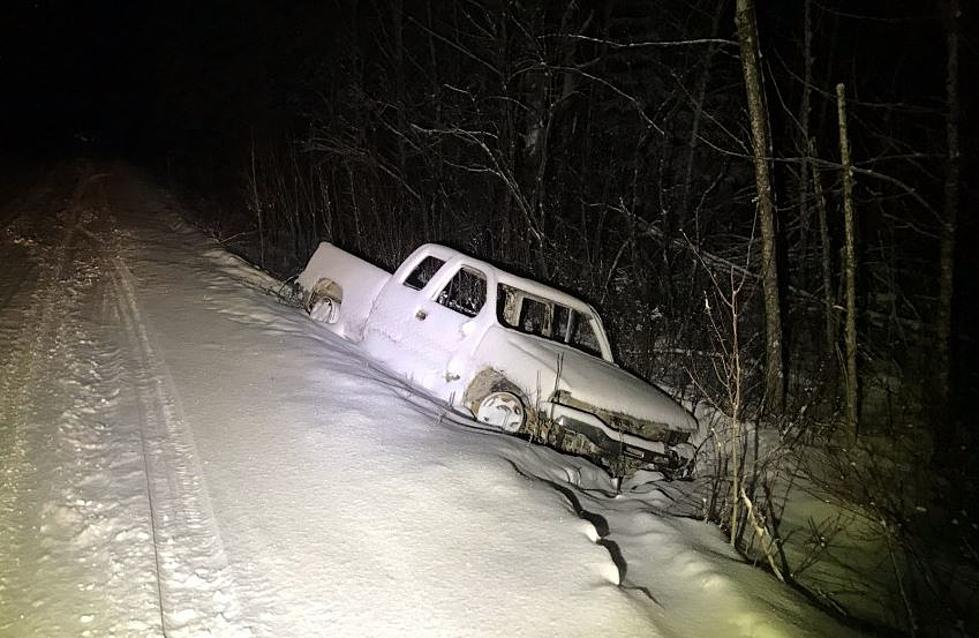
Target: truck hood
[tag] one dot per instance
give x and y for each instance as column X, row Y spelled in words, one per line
column 593, row 382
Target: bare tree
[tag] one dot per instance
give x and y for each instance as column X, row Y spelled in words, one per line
column 849, row 267
column 825, row 267
column 809, row 174
column 758, row 115
column 943, row 316
column 805, row 143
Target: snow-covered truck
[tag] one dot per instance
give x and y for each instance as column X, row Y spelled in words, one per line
column 513, row 353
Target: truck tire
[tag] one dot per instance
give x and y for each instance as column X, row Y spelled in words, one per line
column 502, row 410
column 496, row 401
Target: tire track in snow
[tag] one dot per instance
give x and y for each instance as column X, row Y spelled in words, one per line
column 196, row 585
column 20, row 372
column 67, row 561
column 76, row 550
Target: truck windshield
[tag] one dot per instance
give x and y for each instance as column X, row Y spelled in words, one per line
column 520, row 310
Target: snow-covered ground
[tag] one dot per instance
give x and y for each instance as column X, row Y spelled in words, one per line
column 182, row 454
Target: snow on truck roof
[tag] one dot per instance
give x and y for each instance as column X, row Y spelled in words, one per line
column 503, row 277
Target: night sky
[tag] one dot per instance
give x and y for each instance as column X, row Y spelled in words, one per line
column 116, row 70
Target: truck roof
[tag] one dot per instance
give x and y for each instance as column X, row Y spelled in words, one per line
column 504, row 277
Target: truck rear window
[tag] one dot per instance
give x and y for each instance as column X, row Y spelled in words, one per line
column 545, row 318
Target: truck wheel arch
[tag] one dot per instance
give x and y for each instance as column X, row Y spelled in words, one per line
column 490, row 381
column 324, row 300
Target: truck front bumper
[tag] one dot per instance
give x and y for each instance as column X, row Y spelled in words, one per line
column 608, row 438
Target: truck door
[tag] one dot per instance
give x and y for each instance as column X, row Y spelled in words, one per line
column 421, row 334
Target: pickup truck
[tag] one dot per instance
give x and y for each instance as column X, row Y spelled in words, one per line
column 510, row 352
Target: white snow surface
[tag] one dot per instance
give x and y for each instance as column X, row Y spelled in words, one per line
column 181, row 453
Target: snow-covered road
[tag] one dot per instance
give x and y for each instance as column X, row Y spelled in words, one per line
column 182, row 454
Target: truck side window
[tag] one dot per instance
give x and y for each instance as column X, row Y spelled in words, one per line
column 583, row 335
column 533, row 317
column 508, row 305
column 560, row 330
column 541, row 317
column 423, row 272
column 465, row 293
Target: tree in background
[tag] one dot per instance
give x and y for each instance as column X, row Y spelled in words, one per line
column 946, row 259
column 761, row 154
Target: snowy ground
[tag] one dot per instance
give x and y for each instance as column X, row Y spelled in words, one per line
column 181, row 454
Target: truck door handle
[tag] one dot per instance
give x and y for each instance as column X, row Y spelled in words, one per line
column 420, row 315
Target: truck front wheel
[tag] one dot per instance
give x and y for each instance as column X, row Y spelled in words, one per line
column 496, row 401
column 502, row 410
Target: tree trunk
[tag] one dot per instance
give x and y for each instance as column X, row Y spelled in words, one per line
column 698, row 111
column 257, row 203
column 805, row 145
column 826, row 268
column 748, row 36
column 943, row 359
column 850, row 269
column 397, row 31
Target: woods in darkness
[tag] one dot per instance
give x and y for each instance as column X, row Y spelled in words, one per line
column 617, row 149
column 763, row 199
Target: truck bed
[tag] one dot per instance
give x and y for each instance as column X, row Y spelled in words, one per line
column 359, row 281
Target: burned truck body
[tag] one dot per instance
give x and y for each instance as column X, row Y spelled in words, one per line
column 509, row 351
